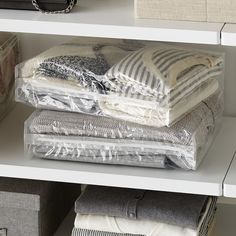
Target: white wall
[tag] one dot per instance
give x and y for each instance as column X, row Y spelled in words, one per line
column 32, row 44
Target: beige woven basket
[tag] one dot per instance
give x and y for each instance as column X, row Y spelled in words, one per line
column 191, row 10
column 221, row 11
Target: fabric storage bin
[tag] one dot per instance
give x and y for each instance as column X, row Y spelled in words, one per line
column 172, row 9
column 9, row 57
column 33, row 208
column 221, row 11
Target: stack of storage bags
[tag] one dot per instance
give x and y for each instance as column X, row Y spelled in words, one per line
column 107, row 211
column 122, row 102
column 9, row 58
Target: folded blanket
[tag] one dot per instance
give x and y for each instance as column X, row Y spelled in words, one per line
column 145, row 227
column 80, row 137
column 182, row 210
column 169, row 76
column 149, row 113
column 82, row 62
column 82, row 74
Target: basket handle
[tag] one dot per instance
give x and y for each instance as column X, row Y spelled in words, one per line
column 67, row 10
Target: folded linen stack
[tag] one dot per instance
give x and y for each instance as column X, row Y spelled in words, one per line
column 87, row 138
column 107, row 211
column 134, row 103
column 9, row 58
column 155, row 85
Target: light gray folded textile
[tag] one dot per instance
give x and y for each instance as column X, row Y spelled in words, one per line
column 130, row 158
column 184, row 210
column 80, row 137
column 146, row 227
column 183, row 132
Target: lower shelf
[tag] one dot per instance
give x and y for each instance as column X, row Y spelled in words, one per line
column 225, row 222
column 208, row 179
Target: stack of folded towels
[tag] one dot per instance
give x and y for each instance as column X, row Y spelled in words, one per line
column 122, row 102
column 9, row 58
column 107, row 211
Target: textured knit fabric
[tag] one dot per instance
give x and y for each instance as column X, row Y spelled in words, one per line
column 146, row 227
column 79, row 137
column 85, row 232
column 184, row 210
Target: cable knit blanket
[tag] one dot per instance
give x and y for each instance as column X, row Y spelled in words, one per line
column 81, row 137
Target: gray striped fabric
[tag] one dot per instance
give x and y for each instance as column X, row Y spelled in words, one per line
column 162, row 74
column 85, row 232
column 87, row 138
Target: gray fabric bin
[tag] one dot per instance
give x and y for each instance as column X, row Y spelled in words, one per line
column 33, row 208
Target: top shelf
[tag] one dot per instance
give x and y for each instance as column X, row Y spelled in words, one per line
column 110, row 19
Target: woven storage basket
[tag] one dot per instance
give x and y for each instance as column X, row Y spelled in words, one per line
column 221, row 11
column 191, row 10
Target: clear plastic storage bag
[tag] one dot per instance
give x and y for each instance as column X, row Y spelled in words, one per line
column 87, row 138
column 146, row 83
column 9, row 58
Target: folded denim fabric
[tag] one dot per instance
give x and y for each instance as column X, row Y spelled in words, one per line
column 184, row 210
column 145, row 227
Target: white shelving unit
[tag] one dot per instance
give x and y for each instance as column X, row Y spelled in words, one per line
column 207, row 180
column 230, row 180
column 115, row 19
column 228, row 35
column 111, row 19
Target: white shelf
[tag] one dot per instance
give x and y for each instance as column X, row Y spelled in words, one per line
column 228, row 35
column 207, row 180
column 230, row 180
column 111, row 19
